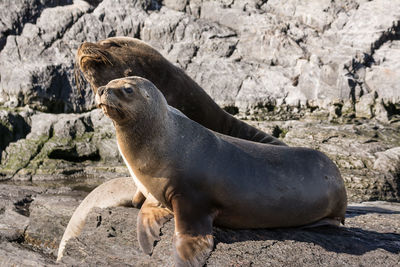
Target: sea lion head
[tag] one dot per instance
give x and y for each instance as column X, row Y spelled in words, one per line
column 114, row 58
column 131, row 100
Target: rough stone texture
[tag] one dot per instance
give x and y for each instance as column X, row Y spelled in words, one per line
column 63, row 146
column 247, row 54
column 13, row 126
column 40, row 213
column 370, row 236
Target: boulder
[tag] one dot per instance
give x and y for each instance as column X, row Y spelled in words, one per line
column 64, row 146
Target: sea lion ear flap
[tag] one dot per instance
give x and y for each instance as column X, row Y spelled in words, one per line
column 152, row 216
column 128, row 72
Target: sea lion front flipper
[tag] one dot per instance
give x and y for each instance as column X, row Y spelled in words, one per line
column 193, row 239
column 152, row 216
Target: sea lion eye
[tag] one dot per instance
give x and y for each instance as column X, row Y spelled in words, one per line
column 128, row 90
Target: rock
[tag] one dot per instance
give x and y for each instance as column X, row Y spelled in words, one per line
column 40, row 75
column 12, row 254
column 178, row 5
column 14, row 15
column 13, row 127
column 32, row 221
column 64, row 146
column 45, row 82
column 383, row 77
column 371, row 236
column 364, row 107
column 315, row 52
column 14, row 210
column 48, row 217
column 277, row 89
column 388, row 161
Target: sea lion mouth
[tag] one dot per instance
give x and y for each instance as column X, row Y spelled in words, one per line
column 86, row 60
column 111, row 111
column 91, row 54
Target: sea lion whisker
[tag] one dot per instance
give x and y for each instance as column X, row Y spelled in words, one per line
column 95, row 52
column 79, row 78
column 105, row 58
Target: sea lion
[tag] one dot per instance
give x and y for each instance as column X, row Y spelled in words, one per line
column 202, row 178
column 119, row 57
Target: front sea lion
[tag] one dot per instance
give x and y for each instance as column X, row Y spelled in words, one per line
column 119, row 57
column 202, row 178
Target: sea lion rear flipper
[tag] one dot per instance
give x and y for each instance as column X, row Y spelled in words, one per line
column 152, row 216
column 138, row 199
column 193, row 239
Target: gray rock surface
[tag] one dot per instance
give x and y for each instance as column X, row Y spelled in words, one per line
column 246, row 54
column 13, row 126
column 35, row 216
column 367, row 238
column 61, row 146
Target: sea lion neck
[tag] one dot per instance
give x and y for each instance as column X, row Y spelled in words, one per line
column 137, row 136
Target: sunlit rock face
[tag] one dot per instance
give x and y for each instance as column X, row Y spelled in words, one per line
column 246, row 54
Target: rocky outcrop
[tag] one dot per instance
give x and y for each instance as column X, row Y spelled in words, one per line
column 34, row 219
column 246, row 54
column 63, row 146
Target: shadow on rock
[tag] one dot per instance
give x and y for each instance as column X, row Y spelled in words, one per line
column 355, row 211
column 349, row 240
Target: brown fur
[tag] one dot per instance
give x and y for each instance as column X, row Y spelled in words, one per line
column 204, row 177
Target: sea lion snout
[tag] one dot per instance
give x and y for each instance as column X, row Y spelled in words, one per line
column 99, row 94
column 107, row 100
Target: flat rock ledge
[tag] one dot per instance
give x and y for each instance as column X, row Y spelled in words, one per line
column 34, row 218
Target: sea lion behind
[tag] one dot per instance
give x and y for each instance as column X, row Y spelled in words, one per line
column 119, row 57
